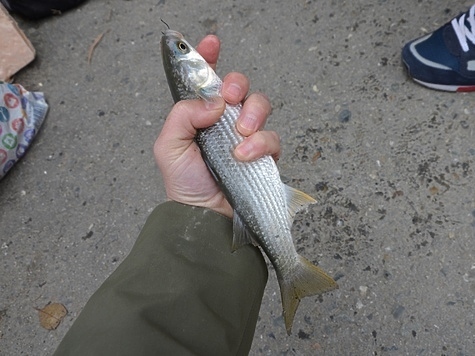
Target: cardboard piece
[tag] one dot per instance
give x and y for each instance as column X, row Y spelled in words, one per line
column 16, row 51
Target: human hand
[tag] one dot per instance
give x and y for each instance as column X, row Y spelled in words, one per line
column 186, row 176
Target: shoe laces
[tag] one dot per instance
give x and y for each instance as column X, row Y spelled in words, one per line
column 462, row 31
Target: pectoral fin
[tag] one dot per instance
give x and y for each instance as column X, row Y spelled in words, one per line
column 209, row 92
column 241, row 234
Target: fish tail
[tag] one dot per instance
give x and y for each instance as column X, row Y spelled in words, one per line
column 307, row 280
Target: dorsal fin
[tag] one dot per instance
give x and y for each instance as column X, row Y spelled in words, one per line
column 296, row 201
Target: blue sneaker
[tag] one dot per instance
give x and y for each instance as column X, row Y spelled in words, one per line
column 445, row 59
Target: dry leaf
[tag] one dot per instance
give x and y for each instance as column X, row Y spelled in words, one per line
column 52, row 315
column 316, row 156
column 433, row 190
column 94, row 45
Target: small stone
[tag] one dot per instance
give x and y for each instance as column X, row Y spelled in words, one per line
column 344, row 115
column 397, row 311
column 363, row 290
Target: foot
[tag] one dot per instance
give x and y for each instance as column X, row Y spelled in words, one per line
column 445, row 58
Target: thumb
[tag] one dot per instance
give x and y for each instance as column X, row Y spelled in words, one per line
column 182, row 123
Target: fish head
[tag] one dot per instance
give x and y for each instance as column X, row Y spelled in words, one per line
column 188, row 74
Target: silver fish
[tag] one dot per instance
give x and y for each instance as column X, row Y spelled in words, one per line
column 264, row 207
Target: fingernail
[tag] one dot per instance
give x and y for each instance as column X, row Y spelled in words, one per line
column 233, row 90
column 213, row 104
column 243, row 150
column 249, row 123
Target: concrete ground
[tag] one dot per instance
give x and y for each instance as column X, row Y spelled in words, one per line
column 391, row 163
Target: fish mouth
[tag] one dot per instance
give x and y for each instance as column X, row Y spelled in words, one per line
column 175, row 51
column 168, row 42
column 172, row 34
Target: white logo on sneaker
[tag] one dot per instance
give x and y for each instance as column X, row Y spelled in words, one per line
column 471, row 65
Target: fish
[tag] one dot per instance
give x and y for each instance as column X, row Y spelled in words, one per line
column 264, row 207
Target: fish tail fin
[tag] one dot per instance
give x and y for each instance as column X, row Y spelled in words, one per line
column 307, row 280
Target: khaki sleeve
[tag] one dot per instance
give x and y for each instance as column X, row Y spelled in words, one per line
column 180, row 291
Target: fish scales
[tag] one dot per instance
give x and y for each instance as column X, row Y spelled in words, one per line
column 231, row 170
column 259, row 186
column 264, row 207
column 255, row 187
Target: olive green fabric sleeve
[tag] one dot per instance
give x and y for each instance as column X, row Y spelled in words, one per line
column 180, row 291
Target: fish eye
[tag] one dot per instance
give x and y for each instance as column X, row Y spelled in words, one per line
column 182, row 47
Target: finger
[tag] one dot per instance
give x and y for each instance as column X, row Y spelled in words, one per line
column 254, row 114
column 235, row 87
column 261, row 143
column 208, row 48
column 183, row 121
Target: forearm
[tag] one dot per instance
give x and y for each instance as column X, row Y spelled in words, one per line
column 180, row 291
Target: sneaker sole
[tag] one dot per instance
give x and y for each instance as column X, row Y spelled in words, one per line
column 451, row 88
column 442, row 87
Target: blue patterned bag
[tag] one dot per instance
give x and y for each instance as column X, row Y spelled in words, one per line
column 21, row 115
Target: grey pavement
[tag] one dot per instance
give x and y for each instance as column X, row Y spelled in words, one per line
column 390, row 162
